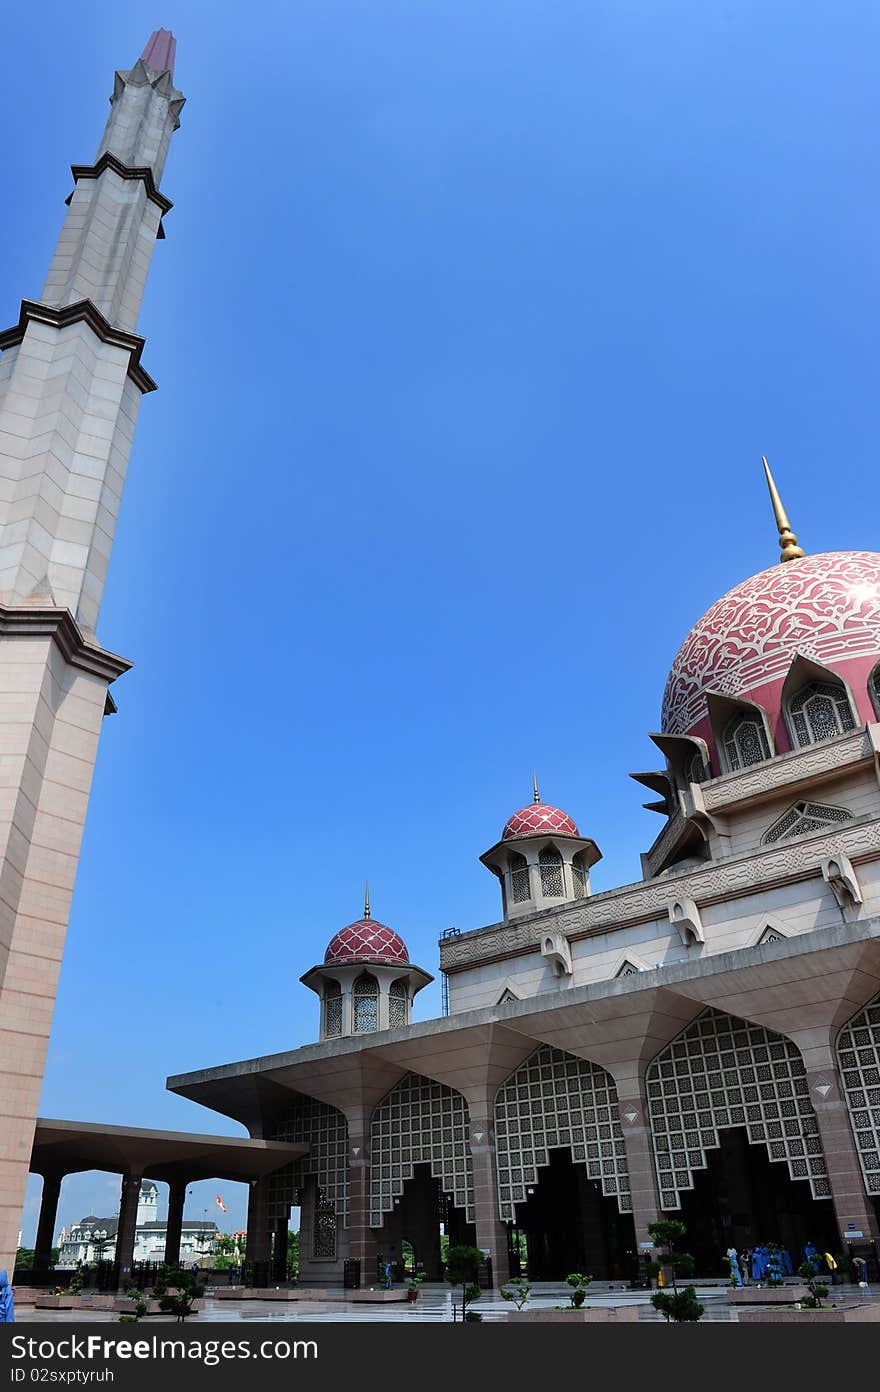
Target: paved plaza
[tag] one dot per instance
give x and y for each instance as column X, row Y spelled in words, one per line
column 434, row 1305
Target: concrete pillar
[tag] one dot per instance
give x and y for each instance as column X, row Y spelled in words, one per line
column 491, row 1232
column 125, row 1228
column 46, row 1224
column 361, row 1237
column 636, row 1126
column 176, row 1201
column 258, row 1226
column 852, row 1206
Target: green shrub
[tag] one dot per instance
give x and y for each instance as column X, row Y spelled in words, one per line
column 518, row 1290
column 580, row 1284
column 679, row 1305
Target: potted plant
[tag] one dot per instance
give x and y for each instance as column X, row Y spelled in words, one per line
column 413, row 1284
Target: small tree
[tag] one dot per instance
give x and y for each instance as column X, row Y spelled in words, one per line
column 181, row 1302
column 678, row 1305
column 665, row 1234
column 518, row 1290
column 462, row 1266
column 579, row 1284
column 817, row 1289
column 139, row 1306
column 75, row 1284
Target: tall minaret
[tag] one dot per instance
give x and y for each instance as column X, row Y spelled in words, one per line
column 71, row 380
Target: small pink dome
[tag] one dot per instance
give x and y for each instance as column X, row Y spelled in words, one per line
column 537, row 818
column 366, row 941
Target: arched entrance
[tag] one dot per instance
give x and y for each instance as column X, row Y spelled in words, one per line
column 421, row 1173
column 736, row 1140
column 563, row 1182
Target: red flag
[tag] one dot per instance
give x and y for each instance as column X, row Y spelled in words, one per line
column 220, row 1204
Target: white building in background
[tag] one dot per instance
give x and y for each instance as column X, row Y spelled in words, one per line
column 93, row 1239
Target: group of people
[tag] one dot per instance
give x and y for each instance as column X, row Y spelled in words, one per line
column 772, row 1263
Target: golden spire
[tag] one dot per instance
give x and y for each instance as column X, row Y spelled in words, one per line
column 366, row 899
column 787, row 539
column 535, row 786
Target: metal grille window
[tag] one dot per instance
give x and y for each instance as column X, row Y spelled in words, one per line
column 554, row 1101
column 323, row 1129
column 420, row 1122
column 365, row 1004
column 332, row 1009
column 552, row 883
column 819, row 712
column 858, row 1053
column 875, row 689
column 520, row 889
column 696, row 769
column 579, row 880
column 745, row 742
column 398, row 1014
column 723, row 1072
column 804, row 817
column 324, row 1229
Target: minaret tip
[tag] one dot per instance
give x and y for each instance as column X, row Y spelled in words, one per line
column 535, row 786
column 366, row 899
column 787, row 539
column 159, row 53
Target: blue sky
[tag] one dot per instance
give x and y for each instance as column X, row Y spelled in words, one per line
column 470, row 329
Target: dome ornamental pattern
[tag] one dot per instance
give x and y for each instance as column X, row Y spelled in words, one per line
column 824, row 607
column 536, row 819
column 366, row 941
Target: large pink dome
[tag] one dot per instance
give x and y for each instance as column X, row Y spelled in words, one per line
column 366, row 941
column 538, row 817
column 824, row 607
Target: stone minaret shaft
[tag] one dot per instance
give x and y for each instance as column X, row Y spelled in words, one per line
column 70, row 378
column 70, row 385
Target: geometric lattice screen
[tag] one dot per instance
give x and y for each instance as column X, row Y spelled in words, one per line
column 323, row 1129
column 724, row 1072
column 555, row 1100
column 420, row 1122
column 858, row 1052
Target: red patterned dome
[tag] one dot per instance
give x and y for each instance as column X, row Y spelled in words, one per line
column 538, row 817
column 825, row 608
column 366, row 941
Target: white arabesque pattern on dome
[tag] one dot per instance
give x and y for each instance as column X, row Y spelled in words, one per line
column 824, row 607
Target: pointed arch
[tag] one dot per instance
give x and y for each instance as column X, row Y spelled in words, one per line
column 552, row 872
column 817, row 703
column 420, row 1121
column 325, row 1131
column 743, row 735
column 365, row 1004
column 332, row 1003
column 520, row 890
column 722, row 1072
column 556, row 1100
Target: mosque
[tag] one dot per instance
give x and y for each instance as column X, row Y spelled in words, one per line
column 703, row 1043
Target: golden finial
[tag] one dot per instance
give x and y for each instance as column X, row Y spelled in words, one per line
column 535, row 786
column 787, row 539
column 366, row 899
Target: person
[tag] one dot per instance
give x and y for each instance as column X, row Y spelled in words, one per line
column 859, row 1263
column 745, row 1266
column 733, row 1259
column 231, row 1275
column 194, row 1269
column 7, row 1300
column 389, row 1269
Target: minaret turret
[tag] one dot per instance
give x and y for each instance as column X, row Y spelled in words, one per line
column 541, row 860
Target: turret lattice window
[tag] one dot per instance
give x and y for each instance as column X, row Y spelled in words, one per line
column 819, row 712
column 332, row 1009
column 365, row 1004
column 552, row 883
column 520, row 890
column 397, row 1005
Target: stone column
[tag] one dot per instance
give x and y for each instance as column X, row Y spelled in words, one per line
column 46, row 1224
column 636, row 1126
column 125, row 1228
column 490, row 1230
column 258, row 1226
column 176, row 1201
column 852, row 1206
column 361, row 1237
